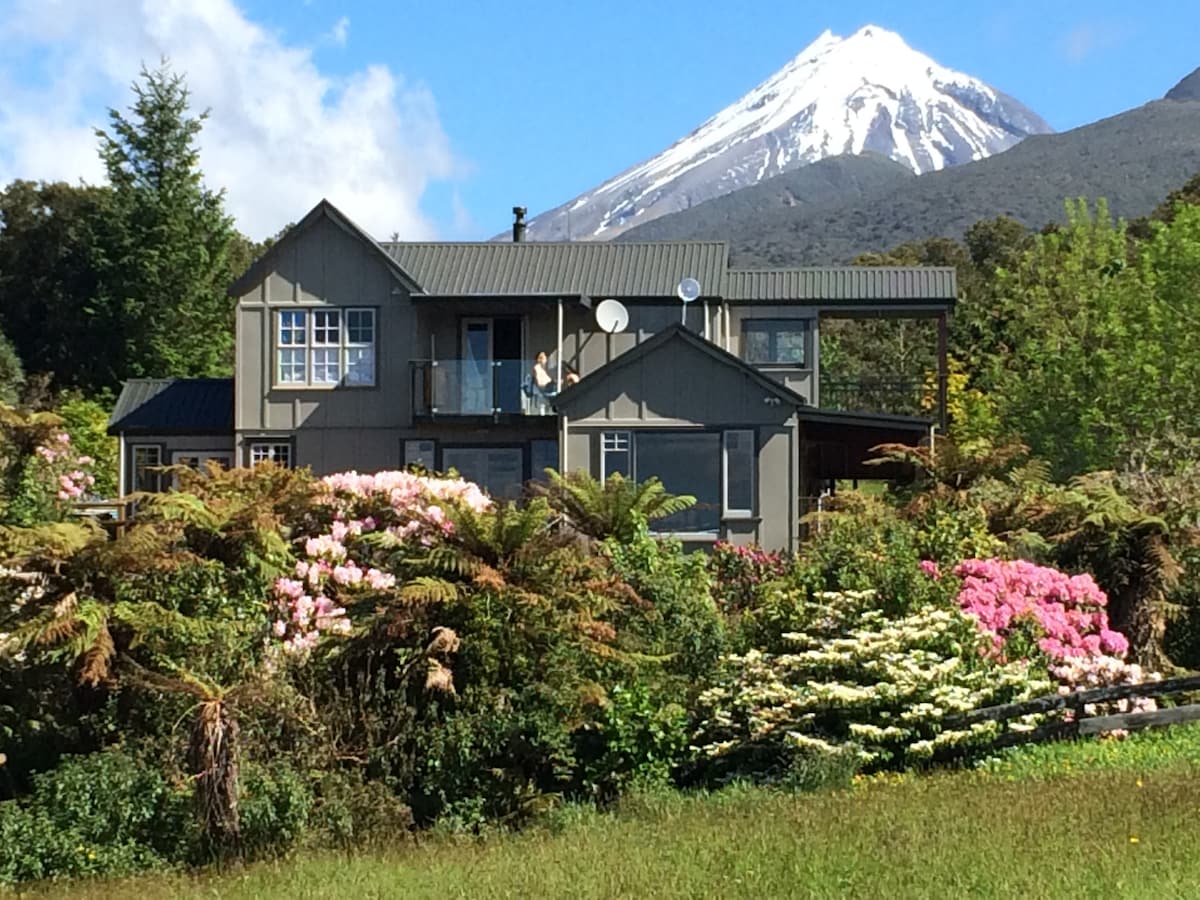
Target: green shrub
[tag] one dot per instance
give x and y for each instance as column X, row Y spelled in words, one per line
column 103, row 814
column 275, row 806
column 353, row 813
column 682, row 623
column 639, row 741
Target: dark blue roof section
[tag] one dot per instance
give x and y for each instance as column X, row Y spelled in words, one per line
column 174, row 406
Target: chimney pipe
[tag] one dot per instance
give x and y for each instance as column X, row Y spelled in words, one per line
column 518, row 224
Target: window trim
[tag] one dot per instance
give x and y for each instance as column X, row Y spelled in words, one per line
column 271, row 442
column 161, row 450
column 627, row 435
column 727, row 511
column 772, row 327
column 342, row 348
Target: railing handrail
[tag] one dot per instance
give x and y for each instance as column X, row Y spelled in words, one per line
column 1074, row 700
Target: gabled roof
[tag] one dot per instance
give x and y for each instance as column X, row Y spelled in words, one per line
column 657, row 341
column 592, row 268
column 844, row 285
column 261, row 267
column 174, row 406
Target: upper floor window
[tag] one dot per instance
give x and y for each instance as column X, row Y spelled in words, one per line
column 278, row 452
column 778, row 342
column 325, row 347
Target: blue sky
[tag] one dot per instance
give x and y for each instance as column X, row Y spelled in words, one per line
column 475, row 106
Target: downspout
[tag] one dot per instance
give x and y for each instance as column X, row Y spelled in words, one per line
column 562, row 443
column 120, row 465
column 559, row 367
column 706, row 333
column 728, row 342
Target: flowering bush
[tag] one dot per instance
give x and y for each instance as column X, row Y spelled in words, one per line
column 741, row 571
column 410, row 508
column 43, row 473
column 854, row 682
column 1014, row 599
column 1030, row 610
column 63, row 468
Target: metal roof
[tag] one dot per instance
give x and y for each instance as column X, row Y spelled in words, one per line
column 850, row 285
column 593, row 269
column 174, row 406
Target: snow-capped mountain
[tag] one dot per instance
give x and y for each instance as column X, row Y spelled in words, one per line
column 866, row 92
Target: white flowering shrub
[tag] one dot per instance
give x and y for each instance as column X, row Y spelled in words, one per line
column 854, row 684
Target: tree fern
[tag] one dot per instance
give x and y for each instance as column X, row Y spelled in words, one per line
column 617, row 508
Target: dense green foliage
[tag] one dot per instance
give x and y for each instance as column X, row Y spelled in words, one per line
column 100, row 284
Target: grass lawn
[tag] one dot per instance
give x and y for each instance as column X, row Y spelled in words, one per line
column 1115, row 819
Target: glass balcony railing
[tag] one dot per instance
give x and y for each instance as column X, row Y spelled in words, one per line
column 465, row 387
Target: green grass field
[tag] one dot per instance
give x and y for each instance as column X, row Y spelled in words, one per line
column 1116, row 819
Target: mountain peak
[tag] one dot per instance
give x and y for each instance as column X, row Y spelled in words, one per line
column 1188, row 89
column 869, row 92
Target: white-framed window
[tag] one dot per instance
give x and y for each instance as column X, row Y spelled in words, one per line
column 737, row 470
column 291, row 351
column 616, row 454
column 360, row 346
column 278, row 452
column 775, row 342
column 146, row 459
column 325, row 347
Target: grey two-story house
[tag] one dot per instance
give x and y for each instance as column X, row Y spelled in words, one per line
column 355, row 354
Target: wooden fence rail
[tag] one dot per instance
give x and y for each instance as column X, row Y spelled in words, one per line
column 1091, row 724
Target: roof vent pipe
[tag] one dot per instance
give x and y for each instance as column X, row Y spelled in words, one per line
column 518, row 224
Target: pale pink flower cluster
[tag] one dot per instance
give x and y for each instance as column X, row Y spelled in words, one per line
column 409, row 507
column 66, row 470
column 1085, row 673
column 1067, row 610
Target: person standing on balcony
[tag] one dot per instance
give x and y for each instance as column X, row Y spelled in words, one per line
column 541, row 374
column 539, row 386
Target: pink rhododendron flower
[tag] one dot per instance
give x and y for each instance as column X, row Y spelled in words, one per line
column 930, row 568
column 412, row 509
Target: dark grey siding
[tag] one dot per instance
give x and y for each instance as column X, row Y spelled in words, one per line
column 679, row 386
column 334, row 428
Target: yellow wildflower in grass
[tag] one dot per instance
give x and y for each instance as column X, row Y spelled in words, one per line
column 1133, row 839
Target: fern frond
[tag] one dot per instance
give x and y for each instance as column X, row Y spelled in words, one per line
column 426, row 589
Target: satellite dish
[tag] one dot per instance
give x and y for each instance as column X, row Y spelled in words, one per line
column 688, row 290
column 611, row 316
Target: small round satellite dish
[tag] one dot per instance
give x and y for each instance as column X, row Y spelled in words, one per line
column 688, row 290
column 611, row 316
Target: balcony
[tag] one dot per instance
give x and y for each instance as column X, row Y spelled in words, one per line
column 894, row 396
column 476, row 388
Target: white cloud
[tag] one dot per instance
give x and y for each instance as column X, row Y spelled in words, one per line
column 340, row 31
column 281, row 134
column 1088, row 38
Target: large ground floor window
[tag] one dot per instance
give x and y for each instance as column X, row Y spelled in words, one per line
column 498, row 470
column 717, row 468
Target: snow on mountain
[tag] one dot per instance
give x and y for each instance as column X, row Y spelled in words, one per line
column 866, row 92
